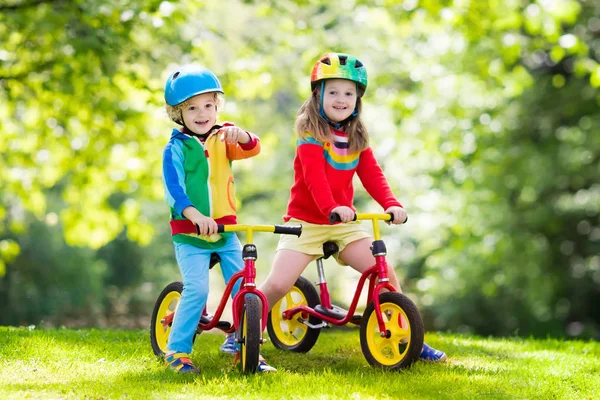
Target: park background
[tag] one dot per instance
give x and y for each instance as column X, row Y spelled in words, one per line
column 483, row 114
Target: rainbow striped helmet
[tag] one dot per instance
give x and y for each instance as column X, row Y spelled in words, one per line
column 339, row 66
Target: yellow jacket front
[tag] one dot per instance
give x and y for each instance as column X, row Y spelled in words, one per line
column 198, row 173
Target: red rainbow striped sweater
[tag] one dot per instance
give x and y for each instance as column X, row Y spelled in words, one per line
column 323, row 175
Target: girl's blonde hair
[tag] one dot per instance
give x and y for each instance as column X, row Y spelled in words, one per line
column 175, row 112
column 309, row 122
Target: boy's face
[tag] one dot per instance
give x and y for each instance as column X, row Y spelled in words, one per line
column 200, row 113
column 339, row 99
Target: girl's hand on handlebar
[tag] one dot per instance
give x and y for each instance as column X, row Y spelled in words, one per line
column 399, row 213
column 346, row 213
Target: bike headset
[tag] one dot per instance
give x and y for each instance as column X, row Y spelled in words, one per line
column 187, row 82
column 338, row 66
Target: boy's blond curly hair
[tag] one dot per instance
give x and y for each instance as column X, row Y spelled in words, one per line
column 175, row 112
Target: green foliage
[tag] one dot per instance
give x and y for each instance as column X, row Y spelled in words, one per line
column 45, row 267
column 518, row 252
column 484, row 116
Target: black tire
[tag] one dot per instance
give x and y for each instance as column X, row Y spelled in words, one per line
column 403, row 345
column 292, row 335
column 165, row 304
column 249, row 334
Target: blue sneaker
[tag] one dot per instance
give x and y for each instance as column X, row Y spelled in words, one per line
column 229, row 346
column 264, row 367
column 262, row 364
column 430, row 354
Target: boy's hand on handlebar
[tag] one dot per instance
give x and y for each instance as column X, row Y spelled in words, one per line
column 206, row 225
column 346, row 213
column 400, row 215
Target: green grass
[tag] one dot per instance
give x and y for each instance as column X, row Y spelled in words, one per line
column 102, row 364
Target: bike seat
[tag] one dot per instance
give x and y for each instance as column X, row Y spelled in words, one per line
column 214, row 259
column 329, row 248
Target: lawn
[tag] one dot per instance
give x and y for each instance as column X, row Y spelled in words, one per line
column 107, row 364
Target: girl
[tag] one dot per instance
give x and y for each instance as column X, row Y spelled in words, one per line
column 333, row 145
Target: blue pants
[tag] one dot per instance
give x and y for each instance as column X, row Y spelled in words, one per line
column 193, row 263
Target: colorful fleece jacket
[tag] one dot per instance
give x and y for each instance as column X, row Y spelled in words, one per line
column 323, row 175
column 199, row 174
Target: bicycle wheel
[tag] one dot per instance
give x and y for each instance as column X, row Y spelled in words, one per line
column 403, row 342
column 249, row 333
column 166, row 304
column 292, row 334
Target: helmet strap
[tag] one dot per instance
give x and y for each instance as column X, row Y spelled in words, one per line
column 182, row 123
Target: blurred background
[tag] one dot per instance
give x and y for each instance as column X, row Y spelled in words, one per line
column 484, row 115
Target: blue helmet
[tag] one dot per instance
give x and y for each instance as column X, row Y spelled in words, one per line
column 190, row 81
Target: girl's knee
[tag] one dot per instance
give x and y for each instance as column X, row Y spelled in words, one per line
column 274, row 289
column 281, row 289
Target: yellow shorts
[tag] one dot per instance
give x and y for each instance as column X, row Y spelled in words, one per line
column 314, row 235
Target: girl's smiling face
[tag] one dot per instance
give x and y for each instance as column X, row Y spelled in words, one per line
column 200, row 113
column 339, row 99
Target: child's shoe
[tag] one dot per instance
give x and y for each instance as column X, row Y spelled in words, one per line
column 229, row 346
column 264, row 367
column 180, row 363
column 430, row 354
column 262, row 364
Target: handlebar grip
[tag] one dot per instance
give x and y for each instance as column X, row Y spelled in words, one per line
column 288, row 230
column 392, row 218
column 335, row 217
column 220, row 228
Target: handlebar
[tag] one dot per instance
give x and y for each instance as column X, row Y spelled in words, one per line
column 374, row 218
column 288, row 230
column 280, row 229
column 335, row 217
column 250, row 229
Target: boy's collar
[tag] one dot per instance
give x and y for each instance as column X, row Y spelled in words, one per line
column 204, row 136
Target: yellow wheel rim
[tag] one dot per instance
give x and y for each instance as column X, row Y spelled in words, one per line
column 392, row 349
column 289, row 332
column 167, row 306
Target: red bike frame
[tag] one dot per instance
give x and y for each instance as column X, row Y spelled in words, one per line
column 247, row 275
column 376, row 273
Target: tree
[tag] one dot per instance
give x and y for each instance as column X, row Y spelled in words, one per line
column 482, row 115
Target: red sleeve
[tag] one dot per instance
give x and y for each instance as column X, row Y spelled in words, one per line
column 313, row 170
column 374, row 181
column 251, row 144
